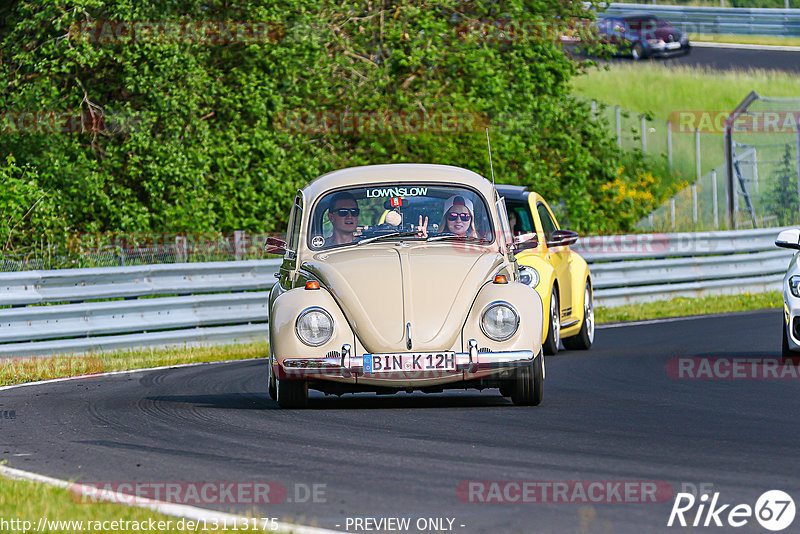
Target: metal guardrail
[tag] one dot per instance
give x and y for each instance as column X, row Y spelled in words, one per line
column 82, row 310
column 732, row 20
column 644, row 268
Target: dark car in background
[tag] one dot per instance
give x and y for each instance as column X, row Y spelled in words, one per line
column 642, row 35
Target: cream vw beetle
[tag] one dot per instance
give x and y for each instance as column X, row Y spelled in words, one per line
column 401, row 278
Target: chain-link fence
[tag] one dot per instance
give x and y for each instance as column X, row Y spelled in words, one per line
column 764, row 162
column 755, row 181
column 115, row 250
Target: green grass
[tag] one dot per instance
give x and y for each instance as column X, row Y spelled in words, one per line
column 681, row 306
column 745, row 39
column 19, row 370
column 30, row 501
column 651, row 88
column 681, row 89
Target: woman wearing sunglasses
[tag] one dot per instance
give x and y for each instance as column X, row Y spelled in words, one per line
column 458, row 217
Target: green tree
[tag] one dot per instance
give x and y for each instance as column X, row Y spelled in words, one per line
column 181, row 135
column 782, row 200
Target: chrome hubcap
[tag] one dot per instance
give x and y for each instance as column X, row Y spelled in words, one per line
column 554, row 313
column 589, row 313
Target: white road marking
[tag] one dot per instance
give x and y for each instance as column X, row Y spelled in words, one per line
column 777, row 48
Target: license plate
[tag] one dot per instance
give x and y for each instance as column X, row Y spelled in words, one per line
column 410, row 362
column 673, row 46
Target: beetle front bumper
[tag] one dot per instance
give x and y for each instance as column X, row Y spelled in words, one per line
column 349, row 366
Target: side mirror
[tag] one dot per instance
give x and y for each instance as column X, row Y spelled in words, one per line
column 562, row 238
column 275, row 246
column 526, row 241
column 789, row 239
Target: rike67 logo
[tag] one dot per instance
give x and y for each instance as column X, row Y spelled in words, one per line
column 774, row 510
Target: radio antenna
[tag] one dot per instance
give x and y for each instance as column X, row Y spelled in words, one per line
column 490, row 153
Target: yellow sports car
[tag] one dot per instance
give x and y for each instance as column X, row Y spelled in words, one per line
column 559, row 275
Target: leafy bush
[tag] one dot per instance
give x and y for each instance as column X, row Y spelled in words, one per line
column 171, row 135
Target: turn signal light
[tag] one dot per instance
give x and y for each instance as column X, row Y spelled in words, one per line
column 312, row 284
column 500, row 279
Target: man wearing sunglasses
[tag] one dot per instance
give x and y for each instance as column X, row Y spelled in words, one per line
column 343, row 215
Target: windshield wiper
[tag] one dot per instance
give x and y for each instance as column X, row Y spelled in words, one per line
column 387, row 236
column 442, row 237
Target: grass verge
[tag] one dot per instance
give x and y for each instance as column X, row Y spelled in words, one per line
column 630, row 85
column 22, row 500
column 19, row 370
column 772, row 40
column 681, row 306
column 24, row 504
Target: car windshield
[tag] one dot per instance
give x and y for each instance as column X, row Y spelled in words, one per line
column 393, row 211
column 642, row 24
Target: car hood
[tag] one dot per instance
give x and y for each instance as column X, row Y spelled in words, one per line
column 382, row 288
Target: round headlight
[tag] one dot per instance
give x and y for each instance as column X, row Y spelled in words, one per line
column 314, row 327
column 529, row 276
column 500, row 321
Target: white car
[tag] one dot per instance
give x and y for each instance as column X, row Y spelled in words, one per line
column 791, row 294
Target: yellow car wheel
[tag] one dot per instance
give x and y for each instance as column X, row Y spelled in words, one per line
column 553, row 339
column 585, row 337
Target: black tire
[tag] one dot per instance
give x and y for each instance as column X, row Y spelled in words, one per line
column 272, row 387
column 786, row 351
column 637, row 52
column 553, row 338
column 292, row 393
column 585, row 337
column 529, row 383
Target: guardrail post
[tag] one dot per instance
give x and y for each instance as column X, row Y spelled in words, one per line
column 697, row 153
column 669, row 144
column 594, row 110
column 643, row 130
column 714, row 198
column 619, row 126
column 672, row 211
column 180, row 249
column 238, row 244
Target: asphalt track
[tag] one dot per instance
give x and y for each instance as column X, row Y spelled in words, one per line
column 610, row 414
column 727, row 59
